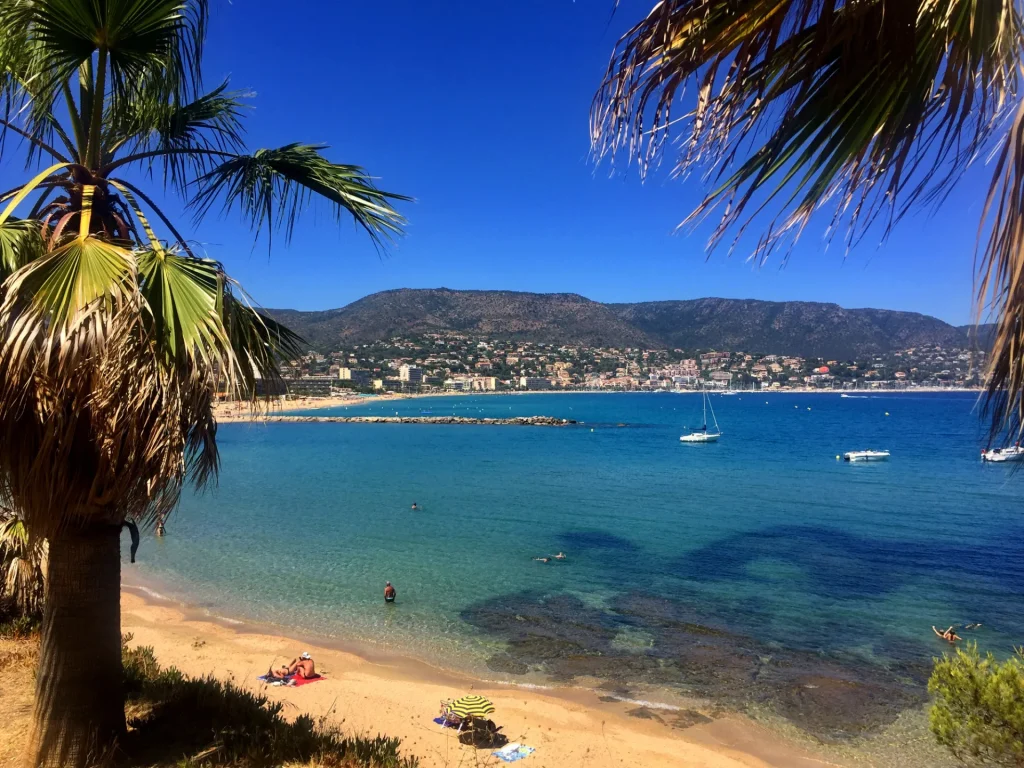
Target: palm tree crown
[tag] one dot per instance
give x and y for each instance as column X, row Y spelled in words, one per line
column 115, row 336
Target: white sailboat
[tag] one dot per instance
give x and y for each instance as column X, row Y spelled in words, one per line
column 703, row 435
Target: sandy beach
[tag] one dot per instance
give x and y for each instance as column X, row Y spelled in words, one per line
column 400, row 697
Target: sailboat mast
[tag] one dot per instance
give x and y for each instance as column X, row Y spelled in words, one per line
column 718, row 431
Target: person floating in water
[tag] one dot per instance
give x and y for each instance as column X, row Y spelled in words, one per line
column 949, row 635
column 542, row 559
column 559, row 556
column 414, row 505
column 160, row 526
column 301, row 666
column 389, row 593
column 973, row 626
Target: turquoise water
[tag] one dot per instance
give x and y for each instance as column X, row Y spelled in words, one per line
column 755, row 570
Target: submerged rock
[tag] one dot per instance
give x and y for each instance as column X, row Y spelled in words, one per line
column 832, row 696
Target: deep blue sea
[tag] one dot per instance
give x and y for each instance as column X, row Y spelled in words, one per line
column 756, row 570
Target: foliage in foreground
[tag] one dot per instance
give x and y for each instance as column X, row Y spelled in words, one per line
column 22, row 566
column 182, row 721
column 979, row 706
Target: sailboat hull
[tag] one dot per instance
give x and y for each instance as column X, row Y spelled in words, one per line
column 700, row 437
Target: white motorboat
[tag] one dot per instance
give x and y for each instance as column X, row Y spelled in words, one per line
column 703, row 435
column 1012, row 453
column 866, row 456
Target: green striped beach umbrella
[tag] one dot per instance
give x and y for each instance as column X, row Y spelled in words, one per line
column 471, row 706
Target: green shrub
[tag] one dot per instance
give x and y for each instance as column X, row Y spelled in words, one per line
column 978, row 712
column 194, row 722
column 15, row 625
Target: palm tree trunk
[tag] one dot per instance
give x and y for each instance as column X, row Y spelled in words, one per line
column 79, row 708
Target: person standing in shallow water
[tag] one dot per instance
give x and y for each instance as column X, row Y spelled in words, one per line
column 389, row 593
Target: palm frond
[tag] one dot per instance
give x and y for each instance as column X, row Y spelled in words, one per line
column 271, row 187
column 64, row 286
column 258, row 343
column 138, row 36
column 21, row 242
column 182, row 296
column 154, row 124
column 868, row 106
column 1001, row 284
column 22, row 564
column 186, row 139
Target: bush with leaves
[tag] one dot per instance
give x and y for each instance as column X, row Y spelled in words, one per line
column 979, row 706
column 185, row 721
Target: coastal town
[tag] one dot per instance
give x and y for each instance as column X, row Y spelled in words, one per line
column 462, row 363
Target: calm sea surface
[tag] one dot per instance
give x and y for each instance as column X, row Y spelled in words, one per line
column 755, row 571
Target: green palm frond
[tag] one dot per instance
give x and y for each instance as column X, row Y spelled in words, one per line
column 66, row 282
column 182, row 294
column 179, row 135
column 137, row 36
column 20, row 243
column 271, row 187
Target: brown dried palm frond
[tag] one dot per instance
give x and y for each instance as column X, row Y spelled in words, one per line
column 866, row 107
column 1001, row 284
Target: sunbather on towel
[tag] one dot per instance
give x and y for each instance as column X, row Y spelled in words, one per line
column 301, row 666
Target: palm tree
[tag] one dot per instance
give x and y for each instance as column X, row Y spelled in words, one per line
column 115, row 339
column 865, row 107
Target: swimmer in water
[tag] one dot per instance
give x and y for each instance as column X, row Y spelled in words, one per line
column 559, row 556
column 949, row 635
column 389, row 593
column 542, row 559
column 414, row 505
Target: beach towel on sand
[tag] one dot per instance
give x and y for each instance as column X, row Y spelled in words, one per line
column 292, row 680
column 514, row 751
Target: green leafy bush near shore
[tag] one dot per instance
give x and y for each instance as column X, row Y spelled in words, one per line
column 191, row 722
column 978, row 712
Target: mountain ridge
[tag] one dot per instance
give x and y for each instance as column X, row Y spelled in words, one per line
column 807, row 329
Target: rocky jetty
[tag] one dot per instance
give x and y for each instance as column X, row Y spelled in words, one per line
column 518, row 421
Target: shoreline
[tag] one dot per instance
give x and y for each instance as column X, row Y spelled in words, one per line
column 380, row 692
column 236, row 412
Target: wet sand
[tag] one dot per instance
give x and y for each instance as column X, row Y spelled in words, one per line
column 371, row 694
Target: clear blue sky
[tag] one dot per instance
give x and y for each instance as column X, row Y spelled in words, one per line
column 479, row 110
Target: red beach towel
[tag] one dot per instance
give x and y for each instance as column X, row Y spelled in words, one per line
column 297, row 681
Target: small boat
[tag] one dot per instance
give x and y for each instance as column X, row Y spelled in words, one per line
column 1012, row 453
column 866, row 456
column 703, row 436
